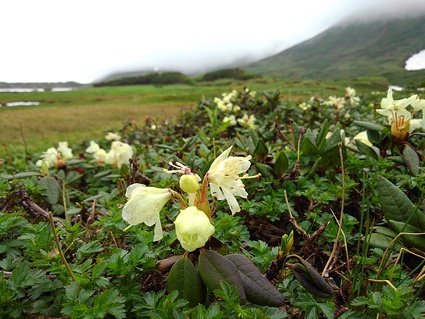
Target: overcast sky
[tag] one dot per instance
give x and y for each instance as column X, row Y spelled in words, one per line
column 84, row 40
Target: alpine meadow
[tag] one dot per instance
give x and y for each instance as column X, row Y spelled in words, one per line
column 291, row 187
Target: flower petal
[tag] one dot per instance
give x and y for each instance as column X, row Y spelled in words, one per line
column 158, row 229
column 231, row 200
column 216, row 191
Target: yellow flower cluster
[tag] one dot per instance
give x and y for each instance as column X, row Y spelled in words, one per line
column 56, row 157
column 227, row 105
column 193, row 224
column 119, row 154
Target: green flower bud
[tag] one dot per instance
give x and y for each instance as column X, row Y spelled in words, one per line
column 44, row 168
column 189, row 183
column 286, row 244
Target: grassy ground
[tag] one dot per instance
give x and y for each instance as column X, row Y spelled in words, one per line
column 88, row 113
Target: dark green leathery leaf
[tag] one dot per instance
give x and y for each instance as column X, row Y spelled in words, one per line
column 258, row 289
column 311, row 280
column 409, row 234
column 215, row 268
column 184, row 278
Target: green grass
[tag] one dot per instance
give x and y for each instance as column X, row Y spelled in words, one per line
column 88, row 113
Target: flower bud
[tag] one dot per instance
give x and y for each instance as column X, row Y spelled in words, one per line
column 189, row 183
column 44, row 167
column 193, row 228
column 286, row 243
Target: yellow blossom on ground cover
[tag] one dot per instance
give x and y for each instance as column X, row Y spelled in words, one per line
column 225, row 180
column 119, row 154
column 112, row 136
column 144, row 205
column 247, row 121
column 55, row 156
column 194, row 223
column 193, row 228
column 400, row 114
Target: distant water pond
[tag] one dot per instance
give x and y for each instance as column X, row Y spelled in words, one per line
column 23, row 90
column 21, row 103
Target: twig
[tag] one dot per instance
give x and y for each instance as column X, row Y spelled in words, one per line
column 8, row 274
column 55, row 235
column 293, row 221
column 23, row 138
column 65, row 208
column 33, row 208
column 334, row 250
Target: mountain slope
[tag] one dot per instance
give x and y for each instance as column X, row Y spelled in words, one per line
column 349, row 51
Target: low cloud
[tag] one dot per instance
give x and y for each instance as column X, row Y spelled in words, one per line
column 387, row 10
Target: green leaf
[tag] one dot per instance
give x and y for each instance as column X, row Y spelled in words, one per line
column 52, row 187
column 321, row 137
column 264, row 169
column 214, row 268
column 254, row 138
column 369, row 126
column 397, row 206
column 383, row 241
column 311, row 280
column 366, row 150
column 375, row 137
column 385, row 231
column 331, row 143
column 308, row 146
column 189, row 143
column 184, row 278
column 89, row 249
column 109, row 302
column 417, row 241
column 411, row 158
column 261, row 149
column 257, row 288
column 281, row 163
column 18, row 175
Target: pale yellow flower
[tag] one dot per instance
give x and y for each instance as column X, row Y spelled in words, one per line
column 393, row 109
column 400, row 118
column 247, row 121
column 93, row 147
column 236, row 109
column 144, row 205
column 112, row 136
column 55, row 156
column 64, row 150
column 225, row 180
column 193, row 228
column 349, row 92
column 119, row 154
column 418, row 105
column 49, row 157
column 99, row 154
column 304, row 106
column 334, row 101
column 362, row 137
column 231, row 119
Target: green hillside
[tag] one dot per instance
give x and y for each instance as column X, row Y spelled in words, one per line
column 350, row 51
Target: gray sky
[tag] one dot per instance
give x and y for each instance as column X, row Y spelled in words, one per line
column 84, row 40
